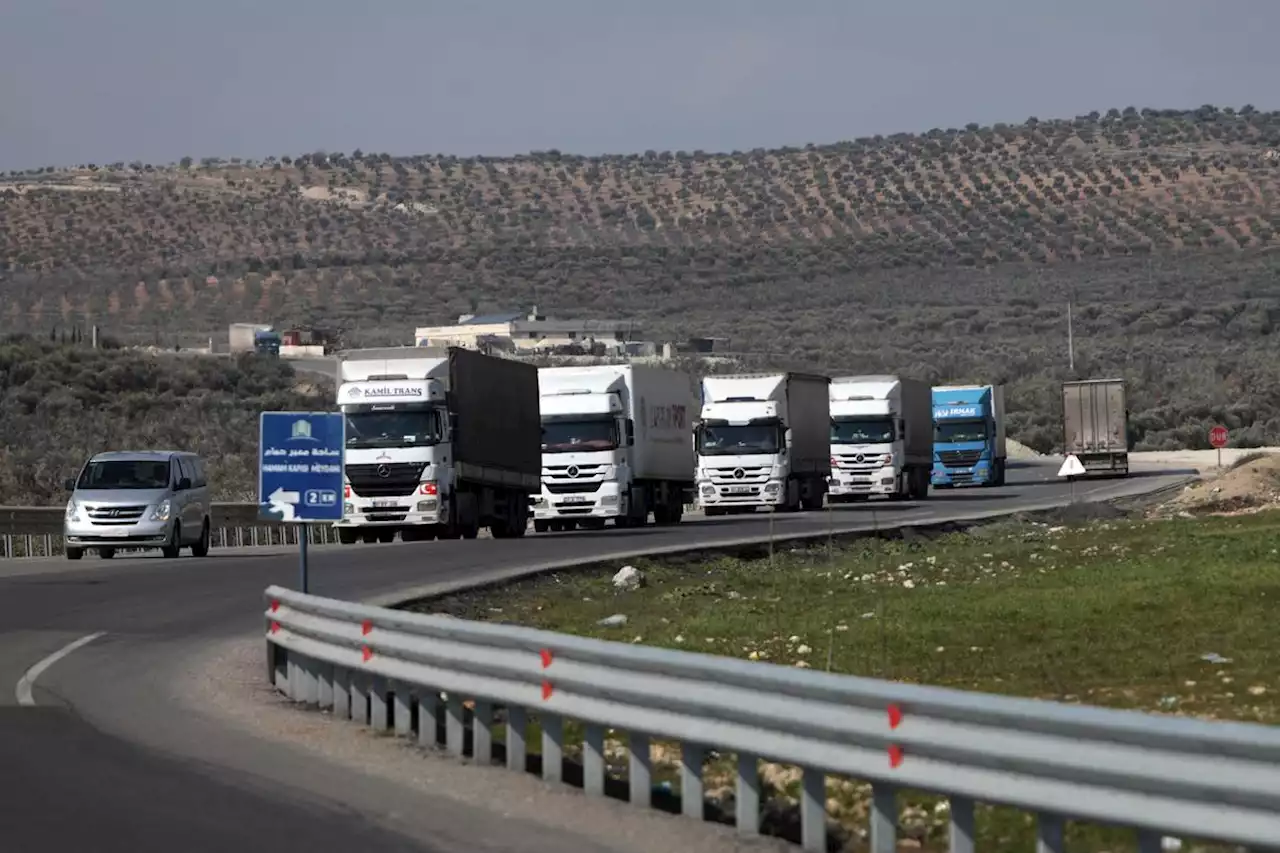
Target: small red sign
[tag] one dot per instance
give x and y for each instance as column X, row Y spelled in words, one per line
column 1218, row 436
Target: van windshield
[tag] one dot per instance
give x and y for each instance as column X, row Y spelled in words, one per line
column 125, row 474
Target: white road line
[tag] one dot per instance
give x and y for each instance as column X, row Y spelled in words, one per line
column 28, row 680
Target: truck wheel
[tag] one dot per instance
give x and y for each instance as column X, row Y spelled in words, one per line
column 369, row 537
column 812, row 501
column 347, row 535
column 713, row 511
column 541, row 526
column 387, row 535
column 999, row 478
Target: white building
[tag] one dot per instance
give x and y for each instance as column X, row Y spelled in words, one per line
column 532, row 332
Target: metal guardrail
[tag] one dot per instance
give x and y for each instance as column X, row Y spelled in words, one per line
column 36, row 531
column 1160, row 775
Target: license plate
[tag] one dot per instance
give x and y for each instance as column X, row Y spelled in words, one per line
column 575, row 502
column 116, row 531
column 740, row 490
column 385, row 503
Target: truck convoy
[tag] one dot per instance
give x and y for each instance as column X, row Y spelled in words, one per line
column 615, row 445
column 968, row 436
column 763, row 440
column 440, row 443
column 1095, row 425
column 881, row 438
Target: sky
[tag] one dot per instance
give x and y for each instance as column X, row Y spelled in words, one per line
column 155, row 80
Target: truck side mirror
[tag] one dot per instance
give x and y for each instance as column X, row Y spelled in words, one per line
column 902, row 431
column 786, row 437
column 631, row 432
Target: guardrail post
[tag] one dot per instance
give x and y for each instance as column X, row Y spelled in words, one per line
column 428, row 718
column 552, row 747
column 324, row 683
column 401, row 710
column 379, row 715
column 747, row 795
column 291, row 664
column 593, row 761
column 884, row 818
column 1150, row 842
column 482, row 733
column 692, row 757
column 308, row 687
column 1050, row 834
column 813, row 810
column 517, row 746
column 341, row 693
column 962, row 837
column 640, row 770
column 454, row 731
column 278, row 667
column 359, row 698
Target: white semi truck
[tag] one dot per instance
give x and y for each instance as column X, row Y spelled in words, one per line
column 764, row 440
column 615, row 445
column 881, row 438
column 440, row 443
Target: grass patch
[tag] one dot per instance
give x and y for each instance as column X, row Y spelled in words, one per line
column 1174, row 616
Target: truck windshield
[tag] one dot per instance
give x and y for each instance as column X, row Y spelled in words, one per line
column 951, row 431
column 861, row 430
column 125, row 474
column 738, row 440
column 403, row 428
column 561, row 436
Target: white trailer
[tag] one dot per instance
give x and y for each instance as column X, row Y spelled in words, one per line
column 439, row 444
column 615, row 445
column 881, row 438
column 764, row 440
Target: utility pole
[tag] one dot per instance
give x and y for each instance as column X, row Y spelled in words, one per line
column 1071, row 342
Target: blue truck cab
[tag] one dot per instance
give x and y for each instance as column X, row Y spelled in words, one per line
column 968, row 436
column 266, row 342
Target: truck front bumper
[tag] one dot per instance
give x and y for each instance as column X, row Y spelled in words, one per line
column 977, row 475
column 607, row 501
column 386, row 512
column 712, row 494
column 865, row 482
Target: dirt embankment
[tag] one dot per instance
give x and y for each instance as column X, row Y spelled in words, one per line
column 1250, row 484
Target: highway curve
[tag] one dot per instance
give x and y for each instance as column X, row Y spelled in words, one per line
column 104, row 762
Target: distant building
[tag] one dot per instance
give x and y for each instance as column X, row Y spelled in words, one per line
column 531, row 333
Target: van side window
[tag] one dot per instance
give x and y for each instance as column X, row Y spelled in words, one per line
column 184, row 469
column 197, row 468
column 176, row 469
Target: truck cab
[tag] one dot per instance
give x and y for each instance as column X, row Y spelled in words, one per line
column 395, row 462
column 615, row 446
column 969, row 436
column 266, row 342
column 881, row 438
column 763, row 441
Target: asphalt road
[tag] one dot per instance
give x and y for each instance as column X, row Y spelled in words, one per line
column 104, row 764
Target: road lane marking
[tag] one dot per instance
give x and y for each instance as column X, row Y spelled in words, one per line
column 28, row 680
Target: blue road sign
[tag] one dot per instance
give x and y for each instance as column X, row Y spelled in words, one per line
column 300, row 466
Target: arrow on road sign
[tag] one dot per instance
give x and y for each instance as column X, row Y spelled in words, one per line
column 283, row 502
column 1071, row 467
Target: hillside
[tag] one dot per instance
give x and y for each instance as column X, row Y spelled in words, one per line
column 63, row 404
column 949, row 254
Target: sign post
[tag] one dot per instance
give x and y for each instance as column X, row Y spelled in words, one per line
column 1071, row 468
column 300, row 472
column 1218, row 437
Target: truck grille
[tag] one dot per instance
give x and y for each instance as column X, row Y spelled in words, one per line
column 569, row 487
column 959, row 458
column 401, row 478
column 114, row 515
column 727, row 476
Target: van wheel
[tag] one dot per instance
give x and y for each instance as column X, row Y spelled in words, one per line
column 201, row 548
column 75, row 553
column 174, row 547
column 106, row 553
